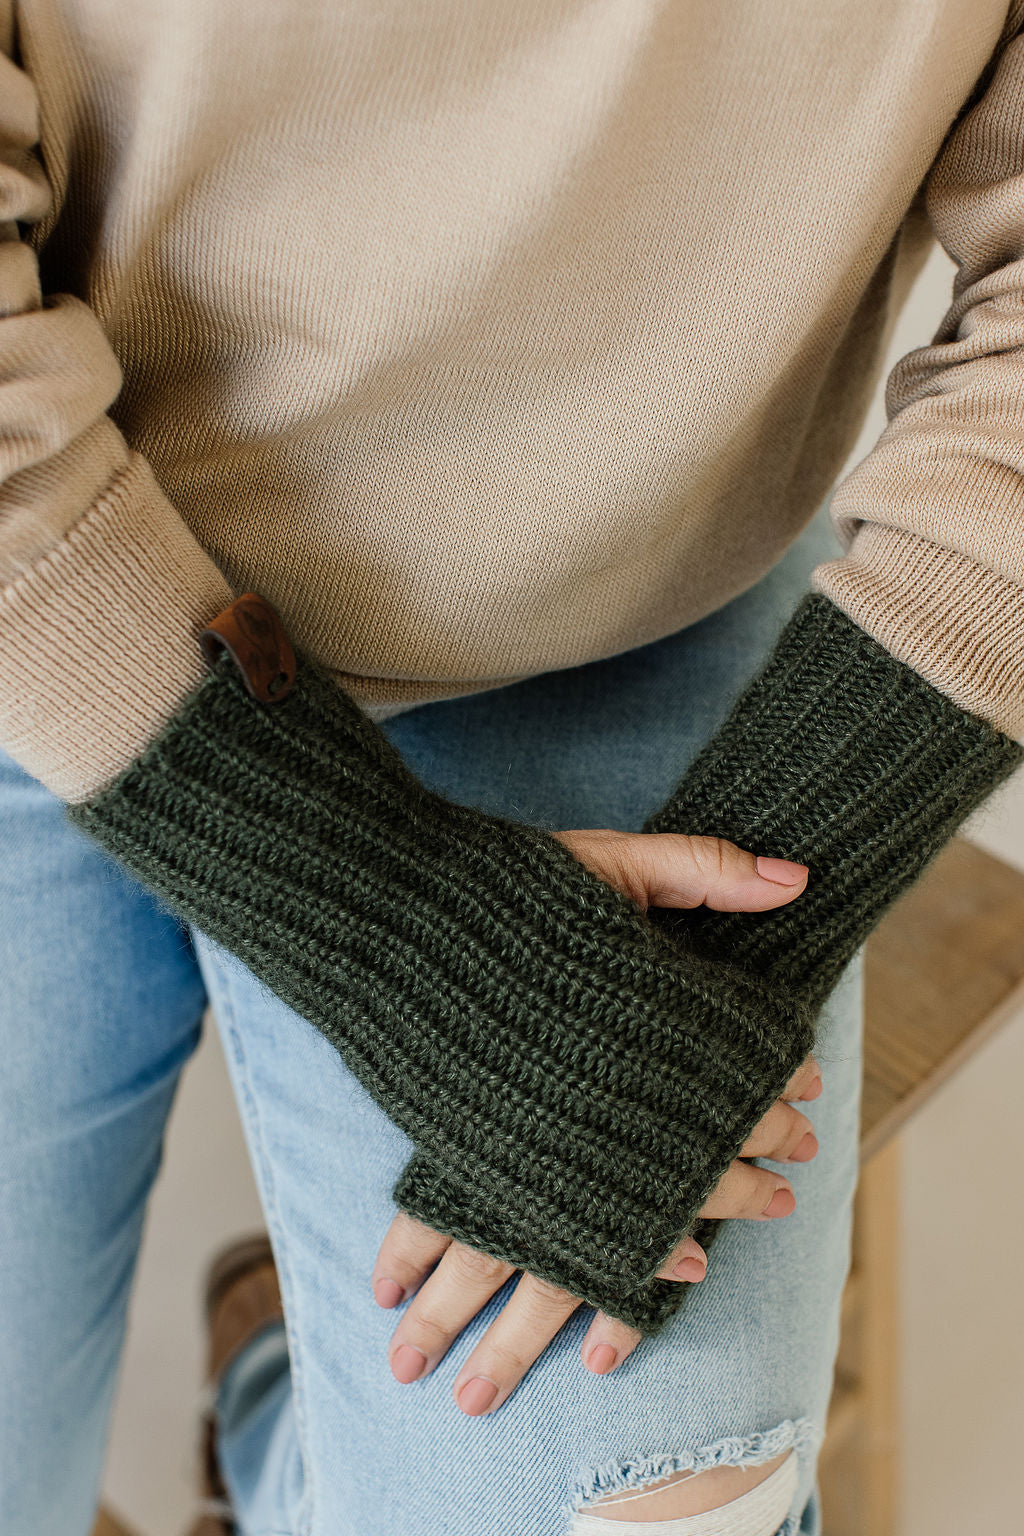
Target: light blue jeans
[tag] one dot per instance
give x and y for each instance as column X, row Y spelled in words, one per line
column 103, row 995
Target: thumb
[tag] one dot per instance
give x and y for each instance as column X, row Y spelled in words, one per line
column 670, row 869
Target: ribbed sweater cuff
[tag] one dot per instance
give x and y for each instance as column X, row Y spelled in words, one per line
column 99, row 637
column 843, row 758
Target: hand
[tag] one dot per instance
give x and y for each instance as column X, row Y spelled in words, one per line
column 666, row 869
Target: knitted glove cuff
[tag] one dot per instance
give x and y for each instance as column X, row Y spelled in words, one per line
column 577, row 1088
column 847, row 760
column 425, row 1190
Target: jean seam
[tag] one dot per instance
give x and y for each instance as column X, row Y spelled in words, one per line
column 230, row 1023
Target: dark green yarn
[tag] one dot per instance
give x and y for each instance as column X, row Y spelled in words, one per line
column 576, row 1076
column 845, row 759
column 440, row 1199
column 550, row 1053
column 836, row 755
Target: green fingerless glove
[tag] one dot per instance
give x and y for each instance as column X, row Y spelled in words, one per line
column 577, row 1084
column 846, row 760
column 576, row 1075
column 838, row 756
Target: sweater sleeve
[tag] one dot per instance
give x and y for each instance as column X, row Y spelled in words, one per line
column 933, row 517
column 93, row 665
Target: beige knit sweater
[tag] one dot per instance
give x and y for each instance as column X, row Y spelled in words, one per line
column 486, row 338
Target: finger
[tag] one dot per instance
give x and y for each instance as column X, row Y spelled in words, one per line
column 751, row 1193
column 523, row 1329
column 687, row 1261
column 806, row 1081
column 607, row 1343
column 670, row 869
column 783, row 1134
column 462, row 1283
column 408, row 1253
column 711, row 872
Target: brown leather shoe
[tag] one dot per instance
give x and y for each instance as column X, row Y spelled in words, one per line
column 242, row 1298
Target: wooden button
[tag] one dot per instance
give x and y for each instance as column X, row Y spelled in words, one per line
column 252, row 633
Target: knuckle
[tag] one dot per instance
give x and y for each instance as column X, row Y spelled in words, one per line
column 769, row 1134
column 708, row 854
column 772, row 1125
column 759, row 1192
column 686, row 1248
column 470, row 1264
column 411, row 1242
column 610, row 1330
column 427, row 1330
column 784, row 1131
column 726, row 1199
column 409, row 1229
column 545, row 1297
column 398, row 1252
column 404, row 1271
column 631, row 873
column 507, row 1359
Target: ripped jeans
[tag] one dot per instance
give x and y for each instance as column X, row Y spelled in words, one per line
column 102, row 1002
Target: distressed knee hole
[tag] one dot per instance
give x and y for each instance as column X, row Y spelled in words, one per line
column 735, row 1488
column 689, row 1493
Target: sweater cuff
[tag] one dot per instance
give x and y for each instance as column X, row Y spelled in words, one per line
column 844, row 758
column 99, row 637
column 957, row 622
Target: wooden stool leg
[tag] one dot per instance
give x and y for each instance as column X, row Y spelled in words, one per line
column 860, row 1459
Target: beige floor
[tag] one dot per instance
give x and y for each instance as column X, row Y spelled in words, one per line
column 964, row 1252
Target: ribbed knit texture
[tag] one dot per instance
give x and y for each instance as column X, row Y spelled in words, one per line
column 576, row 1075
column 841, row 757
column 580, row 1085
column 837, row 756
column 488, row 339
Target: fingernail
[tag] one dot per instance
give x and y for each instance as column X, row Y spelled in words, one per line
column 690, row 1269
column 780, row 871
column 782, row 1203
column 815, row 1088
column 387, row 1293
column 601, row 1358
column 477, row 1395
column 805, row 1148
column 408, row 1363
